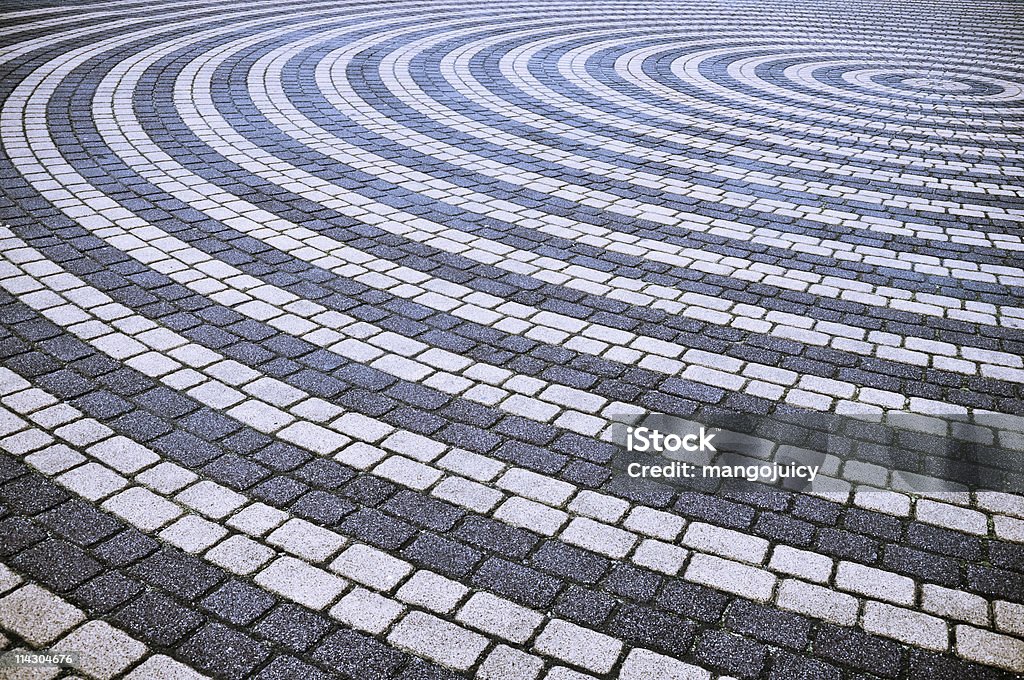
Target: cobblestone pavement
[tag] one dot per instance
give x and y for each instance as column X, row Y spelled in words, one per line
column 314, row 315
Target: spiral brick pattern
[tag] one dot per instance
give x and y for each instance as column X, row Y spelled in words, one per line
column 314, row 317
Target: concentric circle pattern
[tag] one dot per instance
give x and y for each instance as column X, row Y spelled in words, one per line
column 315, row 316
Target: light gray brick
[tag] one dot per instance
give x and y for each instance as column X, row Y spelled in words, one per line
column 301, row 582
column 260, row 416
column 602, row 538
column 83, row 432
column 257, row 519
column 431, row 591
column 1009, row 617
column 306, row 540
column 360, row 455
column 951, row 516
column 371, row 567
column 37, row 615
column 505, row 663
column 807, row 565
column 193, row 534
column 579, row 646
column 211, row 499
column 527, row 514
column 408, row 472
column 954, row 604
column 497, row 616
column 643, row 664
column 654, row 523
column 599, row 506
column 474, row 466
column 92, row 481
column 725, row 542
column 732, row 577
column 573, row 398
column 913, row 628
column 990, row 649
column 467, row 494
column 535, row 486
column 366, row 611
column 414, row 446
column 883, row 585
column 531, row 408
column 103, row 651
column 240, row 555
column 160, row 667
column 817, row 601
column 8, row 579
column 363, row 428
column 313, row 437
column 166, row 477
column 142, row 508
column 55, row 459
column 663, row 557
column 438, row 640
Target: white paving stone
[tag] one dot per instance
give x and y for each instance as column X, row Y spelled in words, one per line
column 103, row 651
column 438, row 640
column 371, row 567
column 432, row 591
column 579, row 646
column 366, row 611
column 37, row 615
column 817, row 601
column 643, row 664
column 497, row 616
column 732, row 577
column 301, row 582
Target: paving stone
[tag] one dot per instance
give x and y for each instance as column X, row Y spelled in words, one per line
column 431, row 591
column 732, row 577
column 439, row 640
column 989, row 648
column 497, row 616
column 371, row 567
column 642, row 663
column 731, row 653
column 768, row 624
column 650, row 628
column 578, row 646
column 105, row 651
column 864, row 580
column 505, row 663
column 300, row 582
column 920, row 630
column 817, row 601
column 366, row 611
column 160, row 667
column 860, row 650
column 225, row 652
column 37, row 615
column 154, row 618
column 293, row 627
column 598, row 537
column 238, row 602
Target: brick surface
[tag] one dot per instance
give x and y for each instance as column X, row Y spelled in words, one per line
column 319, row 327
